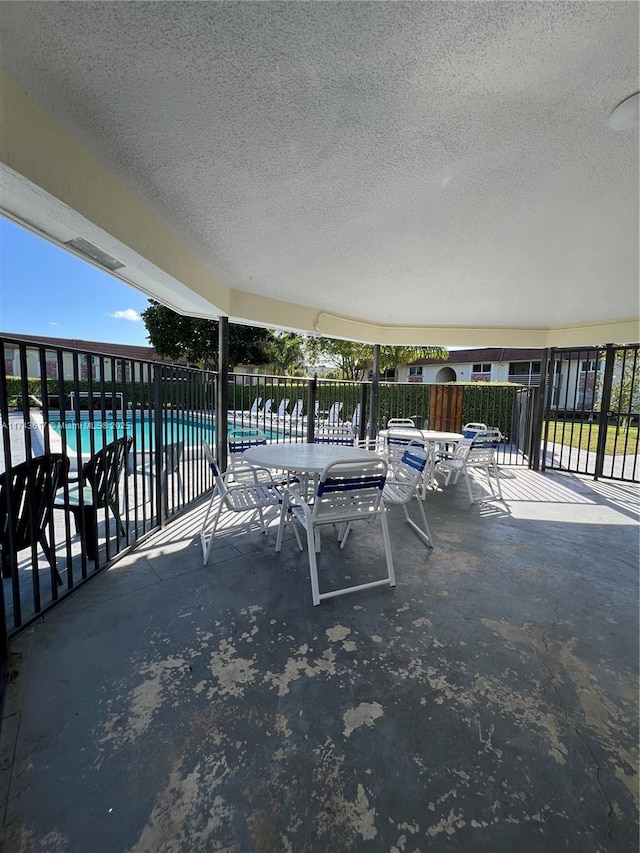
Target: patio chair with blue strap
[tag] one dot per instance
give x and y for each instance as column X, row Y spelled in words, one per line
column 240, row 439
column 251, row 497
column 401, row 422
column 336, row 434
column 477, row 454
column 471, row 430
column 404, row 484
column 346, row 492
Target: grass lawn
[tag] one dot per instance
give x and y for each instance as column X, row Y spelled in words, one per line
column 585, row 435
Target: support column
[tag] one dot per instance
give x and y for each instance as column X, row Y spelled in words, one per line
column 374, row 409
column 222, row 407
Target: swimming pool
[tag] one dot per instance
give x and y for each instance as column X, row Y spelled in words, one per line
column 102, row 429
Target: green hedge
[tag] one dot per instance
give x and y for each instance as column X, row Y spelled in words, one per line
column 489, row 403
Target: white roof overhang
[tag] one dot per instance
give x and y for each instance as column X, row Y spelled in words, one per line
column 402, row 173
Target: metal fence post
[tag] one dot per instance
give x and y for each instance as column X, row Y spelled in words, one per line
column 375, row 393
column 362, row 425
column 605, row 405
column 312, row 395
column 158, row 380
column 539, row 409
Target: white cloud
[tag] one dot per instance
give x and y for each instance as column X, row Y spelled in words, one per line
column 127, row 314
column 52, row 323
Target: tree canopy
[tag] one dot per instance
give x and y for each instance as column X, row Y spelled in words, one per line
column 354, row 359
column 195, row 340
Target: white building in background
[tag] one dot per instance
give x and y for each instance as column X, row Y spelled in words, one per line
column 489, row 364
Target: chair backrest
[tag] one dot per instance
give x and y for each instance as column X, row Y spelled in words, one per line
column 491, row 437
column 334, row 413
column 296, row 412
column 471, row 430
column 348, row 491
column 33, row 486
column 355, row 418
column 282, row 408
column 337, row 434
column 410, row 467
column 102, row 472
column 240, row 439
column 215, row 470
column 397, row 439
column 400, row 422
column 268, row 406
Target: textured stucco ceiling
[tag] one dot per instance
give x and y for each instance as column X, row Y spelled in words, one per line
column 443, row 164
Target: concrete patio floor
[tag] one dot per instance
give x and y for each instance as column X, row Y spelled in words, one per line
column 487, row 703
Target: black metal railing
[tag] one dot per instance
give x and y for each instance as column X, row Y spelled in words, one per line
column 57, row 402
column 592, row 412
column 130, row 433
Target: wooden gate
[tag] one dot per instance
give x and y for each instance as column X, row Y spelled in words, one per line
column 445, row 407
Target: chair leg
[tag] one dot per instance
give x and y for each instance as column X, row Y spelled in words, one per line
column 467, row 480
column 51, row 558
column 115, row 509
column 313, row 564
column 208, row 543
column 283, row 518
column 425, row 534
column 496, row 475
column 387, row 547
column 427, row 529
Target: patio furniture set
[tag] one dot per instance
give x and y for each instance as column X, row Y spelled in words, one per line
column 334, row 482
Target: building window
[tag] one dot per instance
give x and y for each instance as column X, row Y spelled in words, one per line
column 85, row 361
column 589, row 366
column 481, row 368
column 8, row 361
column 415, row 371
column 51, row 363
column 123, row 374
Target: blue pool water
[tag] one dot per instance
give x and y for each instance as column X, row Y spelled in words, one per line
column 190, row 429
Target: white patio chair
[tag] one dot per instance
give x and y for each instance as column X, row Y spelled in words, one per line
column 471, row 430
column 240, row 439
column 250, row 413
column 404, row 484
column 400, row 422
column 336, row 434
column 281, row 414
column 249, row 497
column 333, row 415
column 472, row 454
column 346, row 492
column 296, row 411
column 396, row 441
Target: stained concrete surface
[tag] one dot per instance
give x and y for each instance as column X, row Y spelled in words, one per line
column 487, row 703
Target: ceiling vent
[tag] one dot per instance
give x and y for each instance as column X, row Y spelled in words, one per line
column 84, row 247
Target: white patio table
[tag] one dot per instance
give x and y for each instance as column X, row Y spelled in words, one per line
column 304, row 458
column 307, row 460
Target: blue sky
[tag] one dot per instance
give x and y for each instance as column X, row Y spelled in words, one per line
column 45, row 290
